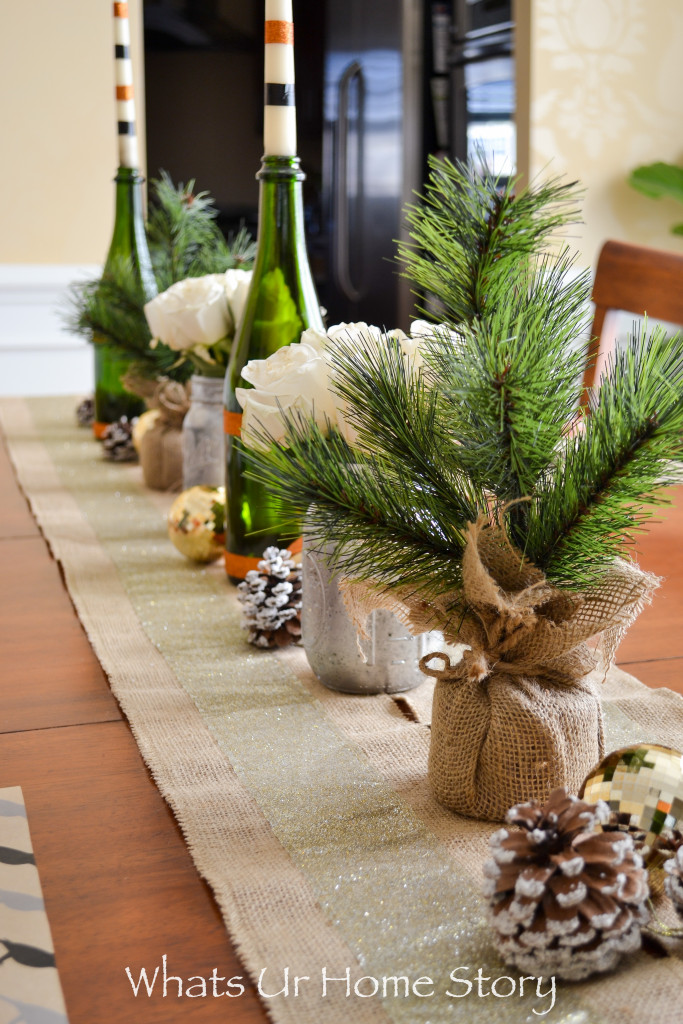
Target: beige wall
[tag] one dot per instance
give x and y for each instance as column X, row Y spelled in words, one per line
column 606, row 94
column 58, row 126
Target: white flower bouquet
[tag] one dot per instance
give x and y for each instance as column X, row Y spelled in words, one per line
column 198, row 318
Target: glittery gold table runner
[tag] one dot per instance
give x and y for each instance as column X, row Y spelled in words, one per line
column 307, row 811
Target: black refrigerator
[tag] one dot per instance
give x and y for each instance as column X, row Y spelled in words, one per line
column 402, row 79
column 380, row 85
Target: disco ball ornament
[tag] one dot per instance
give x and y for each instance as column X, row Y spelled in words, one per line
column 643, row 788
column 196, row 523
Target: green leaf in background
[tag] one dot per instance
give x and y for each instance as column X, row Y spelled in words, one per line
column 657, row 180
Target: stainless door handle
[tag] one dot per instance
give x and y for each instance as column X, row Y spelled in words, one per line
column 342, row 261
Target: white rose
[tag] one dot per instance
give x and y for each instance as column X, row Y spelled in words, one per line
column 420, row 329
column 190, row 313
column 237, row 284
column 295, row 378
column 316, row 339
column 424, row 329
column 363, row 337
column 360, row 334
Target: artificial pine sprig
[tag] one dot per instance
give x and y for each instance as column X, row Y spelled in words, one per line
column 491, row 417
column 602, row 489
column 111, row 307
column 470, row 232
column 396, row 415
column 184, row 241
column 349, row 495
column 512, row 377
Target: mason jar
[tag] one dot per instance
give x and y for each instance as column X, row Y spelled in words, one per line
column 203, row 439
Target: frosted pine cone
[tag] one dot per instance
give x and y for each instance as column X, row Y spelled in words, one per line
column 85, row 412
column 566, row 900
column 117, row 441
column 271, row 600
column 673, row 883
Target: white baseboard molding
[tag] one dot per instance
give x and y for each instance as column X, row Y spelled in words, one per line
column 37, row 355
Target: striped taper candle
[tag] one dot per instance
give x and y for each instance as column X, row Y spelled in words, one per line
column 125, row 104
column 279, row 118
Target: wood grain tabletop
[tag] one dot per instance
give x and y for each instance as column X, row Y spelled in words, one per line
column 120, row 887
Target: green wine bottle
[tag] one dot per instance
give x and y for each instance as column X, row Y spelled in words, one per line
column 282, row 302
column 129, row 241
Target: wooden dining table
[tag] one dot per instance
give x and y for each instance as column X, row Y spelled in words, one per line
column 120, row 887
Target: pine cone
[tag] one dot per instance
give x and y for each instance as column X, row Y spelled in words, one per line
column 271, row 599
column 117, row 441
column 565, row 899
column 85, row 412
column 673, row 883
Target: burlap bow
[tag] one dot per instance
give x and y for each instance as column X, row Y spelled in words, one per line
column 519, row 714
column 510, row 617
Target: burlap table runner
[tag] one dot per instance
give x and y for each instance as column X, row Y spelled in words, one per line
column 308, row 812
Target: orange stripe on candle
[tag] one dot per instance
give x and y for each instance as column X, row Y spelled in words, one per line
column 124, row 92
column 121, row 10
column 280, row 32
column 239, row 565
column 232, row 423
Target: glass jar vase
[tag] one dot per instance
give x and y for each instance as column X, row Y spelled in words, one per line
column 387, row 661
column 203, row 439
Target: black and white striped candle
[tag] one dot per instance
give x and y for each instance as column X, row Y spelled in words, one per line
column 279, row 120
column 125, row 104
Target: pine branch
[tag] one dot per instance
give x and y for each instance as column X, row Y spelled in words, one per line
column 595, row 498
column 491, row 417
column 399, row 420
column 180, row 225
column 363, row 507
column 234, row 253
column 511, row 380
column 471, row 231
column 110, row 309
column 184, row 241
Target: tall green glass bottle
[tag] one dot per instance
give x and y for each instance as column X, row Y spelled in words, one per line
column 129, row 243
column 282, row 302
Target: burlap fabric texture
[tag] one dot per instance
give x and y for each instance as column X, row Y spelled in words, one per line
column 161, row 447
column 517, row 716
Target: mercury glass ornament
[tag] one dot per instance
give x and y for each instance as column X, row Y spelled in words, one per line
column 196, row 523
column 643, row 788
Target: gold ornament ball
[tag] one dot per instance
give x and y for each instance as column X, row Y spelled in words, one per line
column 643, row 787
column 196, row 523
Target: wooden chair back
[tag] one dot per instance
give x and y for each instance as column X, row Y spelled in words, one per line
column 637, row 280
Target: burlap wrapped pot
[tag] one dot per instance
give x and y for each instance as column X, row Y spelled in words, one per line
column 518, row 715
column 161, row 447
